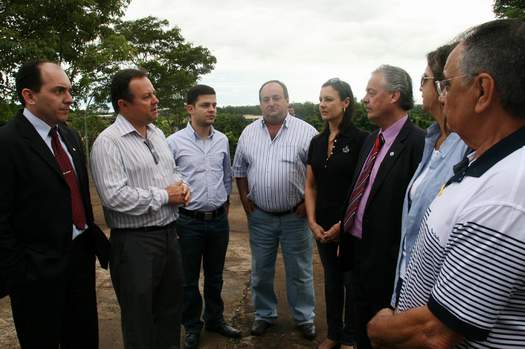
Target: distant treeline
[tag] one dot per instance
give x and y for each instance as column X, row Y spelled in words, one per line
column 230, row 120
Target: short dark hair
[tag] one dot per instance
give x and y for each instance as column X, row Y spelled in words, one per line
column 397, row 79
column 436, row 60
column 344, row 91
column 29, row 76
column 198, row 90
column 120, row 85
column 498, row 49
column 285, row 90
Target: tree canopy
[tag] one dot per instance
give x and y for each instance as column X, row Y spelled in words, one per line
column 509, row 8
column 90, row 40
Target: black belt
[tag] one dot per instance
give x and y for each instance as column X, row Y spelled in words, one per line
column 203, row 215
column 146, row 229
column 283, row 213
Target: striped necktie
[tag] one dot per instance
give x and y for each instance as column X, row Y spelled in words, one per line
column 77, row 207
column 360, row 186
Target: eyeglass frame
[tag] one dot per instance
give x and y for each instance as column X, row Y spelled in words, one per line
column 424, row 78
column 442, row 86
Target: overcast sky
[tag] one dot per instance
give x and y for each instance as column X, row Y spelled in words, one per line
column 306, row 42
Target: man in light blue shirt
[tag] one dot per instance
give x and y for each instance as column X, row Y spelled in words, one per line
column 270, row 168
column 202, row 156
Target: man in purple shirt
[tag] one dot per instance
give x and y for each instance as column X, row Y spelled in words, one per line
column 371, row 220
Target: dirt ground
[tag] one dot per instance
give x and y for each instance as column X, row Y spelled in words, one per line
column 236, row 294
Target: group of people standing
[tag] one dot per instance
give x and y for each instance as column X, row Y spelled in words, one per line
column 420, row 233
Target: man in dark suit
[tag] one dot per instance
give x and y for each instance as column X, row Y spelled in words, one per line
column 372, row 216
column 48, row 239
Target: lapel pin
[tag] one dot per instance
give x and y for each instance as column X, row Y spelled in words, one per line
column 74, row 149
column 346, row 149
column 391, row 153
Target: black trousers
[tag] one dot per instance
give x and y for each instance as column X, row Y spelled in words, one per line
column 203, row 242
column 60, row 312
column 366, row 302
column 337, row 295
column 146, row 271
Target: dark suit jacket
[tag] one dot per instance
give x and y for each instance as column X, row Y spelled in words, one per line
column 35, row 205
column 374, row 257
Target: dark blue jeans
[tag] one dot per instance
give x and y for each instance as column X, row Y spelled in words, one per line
column 203, row 242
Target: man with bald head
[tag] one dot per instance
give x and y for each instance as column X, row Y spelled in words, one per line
column 48, row 239
column 464, row 283
column 270, row 168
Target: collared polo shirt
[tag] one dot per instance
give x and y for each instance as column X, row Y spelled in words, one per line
column 468, row 264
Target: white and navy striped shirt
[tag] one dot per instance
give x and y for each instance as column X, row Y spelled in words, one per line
column 129, row 182
column 468, row 264
column 276, row 169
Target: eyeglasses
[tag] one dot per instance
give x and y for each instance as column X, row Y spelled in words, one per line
column 424, row 78
column 152, row 150
column 442, row 86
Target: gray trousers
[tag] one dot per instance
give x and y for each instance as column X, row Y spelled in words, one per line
column 146, row 271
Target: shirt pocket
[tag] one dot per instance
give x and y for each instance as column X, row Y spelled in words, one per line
column 215, row 162
column 289, row 154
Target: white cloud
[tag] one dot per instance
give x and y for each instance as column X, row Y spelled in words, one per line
column 305, row 42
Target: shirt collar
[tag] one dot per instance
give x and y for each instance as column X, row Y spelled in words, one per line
column 40, row 126
column 492, row 156
column 125, row 127
column 285, row 122
column 433, row 132
column 393, row 130
column 191, row 131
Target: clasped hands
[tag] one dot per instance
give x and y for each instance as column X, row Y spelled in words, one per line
column 178, row 193
column 325, row 236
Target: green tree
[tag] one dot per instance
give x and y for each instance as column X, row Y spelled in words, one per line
column 231, row 124
column 173, row 64
column 509, row 8
column 62, row 31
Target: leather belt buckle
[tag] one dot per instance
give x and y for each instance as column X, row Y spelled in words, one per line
column 208, row 216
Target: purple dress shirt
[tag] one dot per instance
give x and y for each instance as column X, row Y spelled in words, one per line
column 389, row 135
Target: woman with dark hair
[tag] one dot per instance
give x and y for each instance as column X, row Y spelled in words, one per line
column 332, row 158
column 443, row 149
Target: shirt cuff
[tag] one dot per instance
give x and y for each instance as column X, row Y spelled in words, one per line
column 164, row 197
column 466, row 329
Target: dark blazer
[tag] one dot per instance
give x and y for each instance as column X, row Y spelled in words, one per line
column 35, row 206
column 373, row 259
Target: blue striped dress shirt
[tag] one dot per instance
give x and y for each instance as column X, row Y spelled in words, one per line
column 275, row 169
column 205, row 165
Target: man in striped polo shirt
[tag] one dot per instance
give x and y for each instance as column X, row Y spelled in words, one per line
column 464, row 284
column 270, row 168
column 134, row 171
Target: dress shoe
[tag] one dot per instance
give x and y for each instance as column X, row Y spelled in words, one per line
column 224, row 330
column 192, row 340
column 307, row 330
column 259, row 327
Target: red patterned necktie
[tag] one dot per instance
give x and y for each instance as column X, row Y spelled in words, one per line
column 360, row 186
column 79, row 217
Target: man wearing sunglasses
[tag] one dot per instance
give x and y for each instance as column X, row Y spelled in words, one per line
column 464, row 284
column 135, row 175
